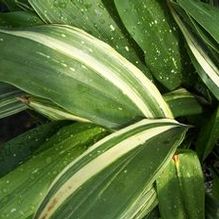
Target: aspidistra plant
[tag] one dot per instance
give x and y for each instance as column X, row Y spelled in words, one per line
column 118, row 69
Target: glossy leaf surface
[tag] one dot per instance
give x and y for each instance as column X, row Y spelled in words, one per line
column 89, row 186
column 150, row 24
column 94, row 17
column 181, row 188
column 75, row 70
column 22, row 190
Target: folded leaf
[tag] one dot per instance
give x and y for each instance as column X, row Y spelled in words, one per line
column 93, row 17
column 24, row 5
column 21, row 148
column 143, row 205
column 208, row 136
column 205, row 14
column 11, row 5
column 212, row 207
column 24, row 188
column 79, row 73
column 206, row 37
column 9, row 103
column 169, row 193
column 150, row 24
column 153, row 214
column 17, row 5
column 110, row 176
column 205, row 65
column 19, row 19
column 183, row 103
column 181, row 188
column 49, row 109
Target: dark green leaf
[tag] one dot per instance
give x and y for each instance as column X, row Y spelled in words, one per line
column 93, row 17
column 19, row 19
column 103, row 182
column 75, row 70
column 9, row 102
column 181, row 188
column 205, row 64
column 212, row 207
column 183, row 103
column 19, row 149
column 208, row 136
column 150, row 24
column 22, row 190
column 206, row 15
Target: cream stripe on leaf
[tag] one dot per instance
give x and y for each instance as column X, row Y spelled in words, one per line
column 80, row 73
column 142, row 205
column 184, row 103
column 108, row 168
column 25, row 186
column 50, row 110
column 206, row 68
column 93, row 17
column 9, row 104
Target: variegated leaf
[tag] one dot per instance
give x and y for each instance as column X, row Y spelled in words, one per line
column 180, row 188
column 9, row 102
column 98, row 18
column 108, row 178
column 80, row 73
column 206, row 67
column 24, row 188
column 19, row 149
column 183, row 103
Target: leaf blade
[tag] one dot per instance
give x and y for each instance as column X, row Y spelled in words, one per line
column 181, row 187
column 157, row 36
column 23, row 189
column 94, row 18
column 78, row 174
column 115, row 90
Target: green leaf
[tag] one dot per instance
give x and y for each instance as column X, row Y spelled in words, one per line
column 212, row 207
column 143, row 205
column 208, row 136
column 206, row 15
column 22, row 190
column 207, row 70
column 191, row 178
column 75, row 70
column 195, row 27
column 19, row 19
column 24, row 5
column 206, row 37
column 206, row 67
column 110, row 176
column 183, row 103
column 150, row 24
column 180, row 188
column 49, row 109
column 155, row 214
column 21, row 148
column 9, row 103
column 93, row 17
column 215, row 184
column 11, row 5
column 169, row 194
column 16, row 5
